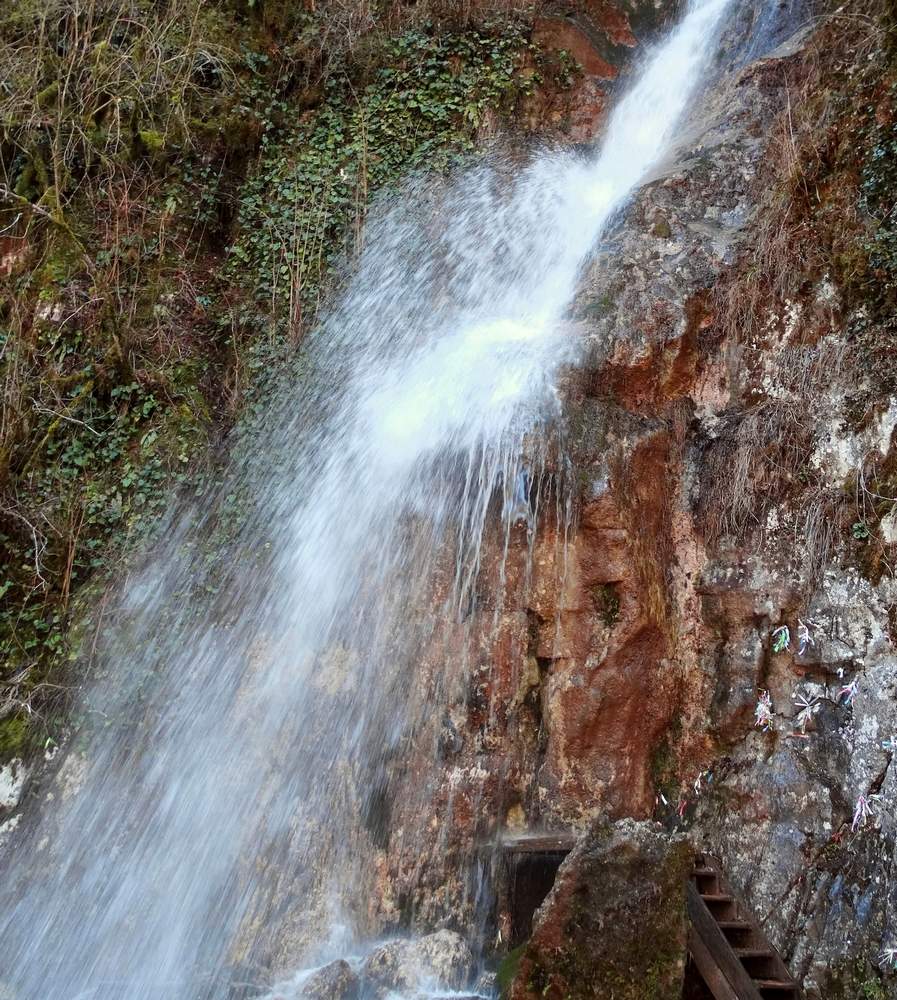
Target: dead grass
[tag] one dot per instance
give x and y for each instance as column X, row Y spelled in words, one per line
column 809, row 222
column 809, row 228
column 761, row 456
column 82, row 77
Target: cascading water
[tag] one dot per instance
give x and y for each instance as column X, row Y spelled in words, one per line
column 236, row 743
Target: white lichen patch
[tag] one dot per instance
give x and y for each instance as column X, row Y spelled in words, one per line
column 888, row 528
column 467, row 776
column 12, row 781
column 793, row 313
column 841, row 453
column 6, row 831
column 827, row 293
column 49, row 312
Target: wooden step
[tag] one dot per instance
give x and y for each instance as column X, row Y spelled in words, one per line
column 741, row 937
column 729, row 948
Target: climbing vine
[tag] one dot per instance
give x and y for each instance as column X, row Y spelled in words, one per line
column 303, row 210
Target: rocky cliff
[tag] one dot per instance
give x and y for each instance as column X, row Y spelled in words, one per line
column 709, row 641
column 701, row 630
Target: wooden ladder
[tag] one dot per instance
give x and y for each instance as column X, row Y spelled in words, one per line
column 729, row 950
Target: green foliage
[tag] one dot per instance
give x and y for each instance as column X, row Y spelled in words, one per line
column 781, row 639
column 879, row 199
column 860, row 531
column 125, row 334
column 84, row 87
column 560, row 67
column 873, row 989
column 856, row 980
column 420, row 108
column 91, row 468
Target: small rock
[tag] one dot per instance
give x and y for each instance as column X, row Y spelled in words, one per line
column 487, row 985
column 335, row 981
column 447, row 957
column 442, row 959
column 12, row 781
column 446, row 996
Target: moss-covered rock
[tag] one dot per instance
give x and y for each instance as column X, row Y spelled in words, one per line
column 614, row 924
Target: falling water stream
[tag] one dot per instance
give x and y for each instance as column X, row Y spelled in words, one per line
column 232, row 742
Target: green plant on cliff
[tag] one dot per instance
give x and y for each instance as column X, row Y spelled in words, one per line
column 507, row 970
column 873, row 989
column 879, row 195
column 825, row 233
column 607, row 601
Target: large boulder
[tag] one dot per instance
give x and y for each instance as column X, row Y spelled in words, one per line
column 614, row 924
column 441, row 960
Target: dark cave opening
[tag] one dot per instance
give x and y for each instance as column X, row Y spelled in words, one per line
column 530, row 874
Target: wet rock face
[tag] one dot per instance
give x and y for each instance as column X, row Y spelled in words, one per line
column 442, row 961
column 614, row 924
column 785, row 813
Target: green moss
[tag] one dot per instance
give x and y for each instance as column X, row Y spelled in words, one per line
column 855, row 980
column 153, row 142
column 47, row 97
column 663, row 763
column 14, row 737
column 600, row 307
column 25, row 186
column 507, row 970
column 623, row 929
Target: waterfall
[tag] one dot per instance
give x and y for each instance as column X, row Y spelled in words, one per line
column 236, row 742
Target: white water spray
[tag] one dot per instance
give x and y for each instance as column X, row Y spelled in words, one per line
column 243, row 736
